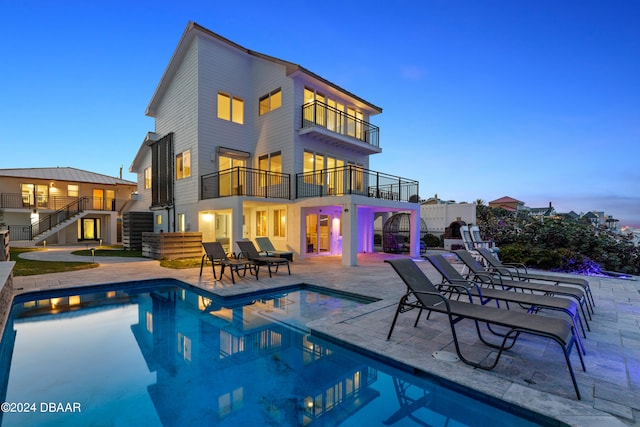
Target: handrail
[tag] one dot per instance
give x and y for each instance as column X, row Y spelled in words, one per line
column 353, row 179
column 243, row 181
column 316, row 113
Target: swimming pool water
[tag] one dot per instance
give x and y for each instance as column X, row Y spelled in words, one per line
column 175, row 356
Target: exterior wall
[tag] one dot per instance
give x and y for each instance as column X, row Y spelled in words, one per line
column 178, row 113
column 438, row 217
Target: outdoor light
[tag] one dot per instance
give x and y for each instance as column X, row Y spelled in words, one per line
column 308, row 402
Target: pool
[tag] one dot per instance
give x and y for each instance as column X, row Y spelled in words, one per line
column 166, row 353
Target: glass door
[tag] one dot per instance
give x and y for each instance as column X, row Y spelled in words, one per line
column 318, row 234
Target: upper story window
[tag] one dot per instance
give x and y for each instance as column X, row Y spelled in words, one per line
column 183, row 165
column 329, row 113
column 270, row 101
column 147, row 178
column 73, row 190
column 230, row 108
column 272, row 163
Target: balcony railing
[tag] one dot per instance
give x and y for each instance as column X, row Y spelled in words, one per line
column 352, row 179
column 241, row 181
column 316, row 113
column 29, row 232
column 52, row 203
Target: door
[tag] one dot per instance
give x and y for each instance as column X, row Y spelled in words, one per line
column 318, row 233
column 98, row 199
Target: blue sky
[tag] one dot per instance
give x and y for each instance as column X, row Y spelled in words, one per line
column 537, row 100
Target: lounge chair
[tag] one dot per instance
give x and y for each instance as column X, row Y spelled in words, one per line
column 478, row 272
column 479, row 242
column 519, row 272
column 532, row 302
column 467, row 241
column 216, row 254
column 423, row 295
column 267, row 247
column 249, row 251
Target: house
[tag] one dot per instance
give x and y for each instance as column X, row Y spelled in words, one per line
column 542, row 213
column 443, row 215
column 61, row 205
column 249, row 145
column 508, row 203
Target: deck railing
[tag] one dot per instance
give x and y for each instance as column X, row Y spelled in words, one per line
column 352, row 179
column 242, row 181
column 29, row 201
column 317, row 113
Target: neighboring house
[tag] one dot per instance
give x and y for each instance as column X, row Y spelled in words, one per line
column 440, row 215
column 249, row 145
column 62, row 205
column 543, row 213
column 508, row 203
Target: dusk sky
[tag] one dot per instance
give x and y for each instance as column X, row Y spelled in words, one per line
column 537, row 100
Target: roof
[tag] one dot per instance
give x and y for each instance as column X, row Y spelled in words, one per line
column 506, row 199
column 64, row 174
column 184, row 43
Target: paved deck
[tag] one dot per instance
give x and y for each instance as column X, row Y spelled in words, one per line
column 532, row 375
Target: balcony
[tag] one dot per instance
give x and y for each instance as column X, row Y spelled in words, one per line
column 336, row 127
column 53, row 203
column 241, row 181
column 353, row 179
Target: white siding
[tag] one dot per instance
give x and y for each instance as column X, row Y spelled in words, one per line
column 177, row 112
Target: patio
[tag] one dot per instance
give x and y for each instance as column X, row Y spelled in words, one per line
column 532, row 375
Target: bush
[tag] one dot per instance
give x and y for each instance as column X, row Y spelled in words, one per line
column 433, row 241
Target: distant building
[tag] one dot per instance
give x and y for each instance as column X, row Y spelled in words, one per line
column 543, row 213
column 62, row 205
column 439, row 215
column 508, row 203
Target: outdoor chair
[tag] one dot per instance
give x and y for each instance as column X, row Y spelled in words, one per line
column 423, row 295
column 265, row 245
column 249, row 251
column 520, row 272
column 216, row 254
column 467, row 241
column 478, row 272
column 478, row 242
column 454, row 282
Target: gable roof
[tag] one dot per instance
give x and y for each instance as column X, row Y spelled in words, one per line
column 506, row 199
column 185, row 41
column 64, row 174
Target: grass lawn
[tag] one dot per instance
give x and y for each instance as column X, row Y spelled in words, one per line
column 27, row 267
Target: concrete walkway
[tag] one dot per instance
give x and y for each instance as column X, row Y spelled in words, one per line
column 532, row 375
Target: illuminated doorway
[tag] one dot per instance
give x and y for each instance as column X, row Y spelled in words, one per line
column 318, row 233
column 89, row 229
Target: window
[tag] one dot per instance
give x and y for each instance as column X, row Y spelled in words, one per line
column 230, row 108
column 147, row 178
column 270, row 101
column 181, row 223
column 261, row 223
column 272, row 163
column 279, row 223
column 73, row 190
column 183, row 165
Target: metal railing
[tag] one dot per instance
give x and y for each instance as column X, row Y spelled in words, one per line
column 242, row 181
column 317, row 113
column 29, row 201
column 352, row 179
column 29, row 232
